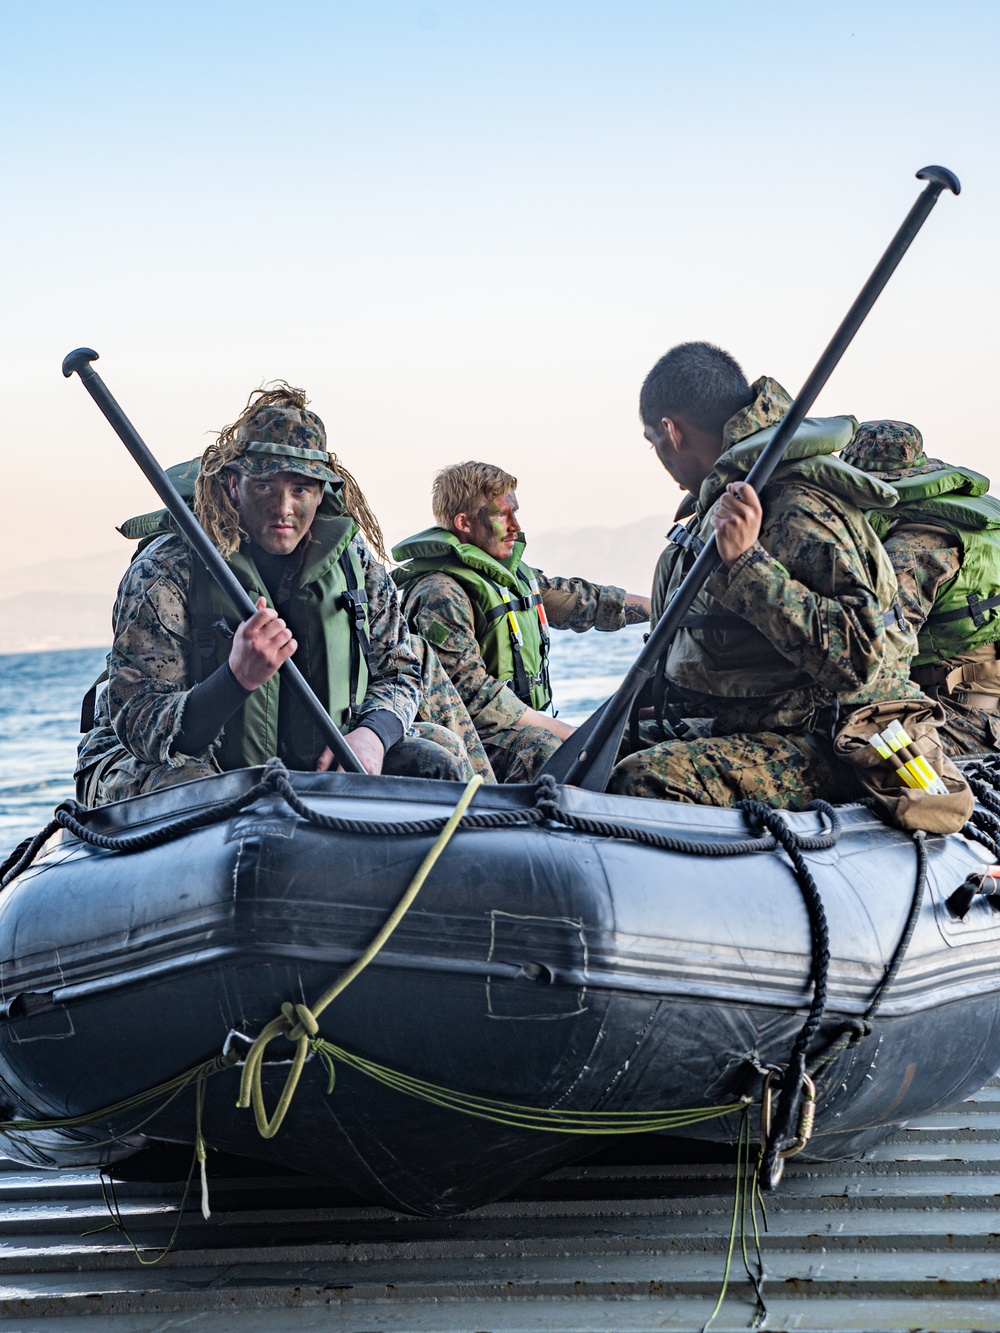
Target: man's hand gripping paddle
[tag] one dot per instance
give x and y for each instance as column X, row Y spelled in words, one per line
column 586, row 759
column 79, row 361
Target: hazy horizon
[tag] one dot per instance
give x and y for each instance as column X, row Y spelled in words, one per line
column 469, row 231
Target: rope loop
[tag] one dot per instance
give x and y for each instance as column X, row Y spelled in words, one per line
column 856, row 1029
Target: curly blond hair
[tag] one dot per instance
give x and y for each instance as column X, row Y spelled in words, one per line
column 215, row 510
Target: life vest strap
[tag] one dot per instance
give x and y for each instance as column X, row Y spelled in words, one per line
column 526, row 603
column 975, row 609
column 894, row 616
column 681, row 535
column 354, row 600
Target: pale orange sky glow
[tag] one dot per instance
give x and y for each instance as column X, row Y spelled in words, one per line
column 469, row 231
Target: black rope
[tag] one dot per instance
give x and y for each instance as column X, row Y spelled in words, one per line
column 983, row 776
column 854, row 1030
column 24, row 853
column 70, row 815
column 791, row 1080
column 474, row 819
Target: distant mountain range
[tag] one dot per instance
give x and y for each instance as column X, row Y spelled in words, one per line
column 68, row 604
column 61, row 604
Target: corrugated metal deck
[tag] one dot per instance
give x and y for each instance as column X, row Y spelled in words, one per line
column 905, row 1239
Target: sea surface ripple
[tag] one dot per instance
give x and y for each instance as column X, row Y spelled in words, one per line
column 41, row 694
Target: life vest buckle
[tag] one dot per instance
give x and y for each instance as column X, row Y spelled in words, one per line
column 681, row 535
column 355, row 602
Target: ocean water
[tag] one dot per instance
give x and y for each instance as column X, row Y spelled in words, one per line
column 41, row 693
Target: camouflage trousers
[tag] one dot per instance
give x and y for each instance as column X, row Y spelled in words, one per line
column 442, row 706
column 518, row 753
column 779, row 770
column 426, row 751
column 968, row 730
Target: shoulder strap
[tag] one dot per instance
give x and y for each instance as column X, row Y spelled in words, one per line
column 202, row 625
column 354, row 600
column 681, row 535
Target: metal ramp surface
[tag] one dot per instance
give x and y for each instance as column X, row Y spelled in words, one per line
column 904, row 1239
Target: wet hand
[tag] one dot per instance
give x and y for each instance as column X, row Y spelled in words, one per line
column 260, row 645
column 365, row 744
column 736, row 519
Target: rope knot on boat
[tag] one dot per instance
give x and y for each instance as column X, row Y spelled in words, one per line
column 547, row 796
column 301, row 1021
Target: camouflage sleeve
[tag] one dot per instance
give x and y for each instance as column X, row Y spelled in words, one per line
column 394, row 682
column 578, row 605
column 925, row 560
column 807, row 587
column 439, row 610
column 148, row 679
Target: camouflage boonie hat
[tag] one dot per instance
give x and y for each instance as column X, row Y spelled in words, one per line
column 890, row 450
column 284, row 439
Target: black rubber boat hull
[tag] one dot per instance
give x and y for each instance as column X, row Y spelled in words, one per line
column 539, row 966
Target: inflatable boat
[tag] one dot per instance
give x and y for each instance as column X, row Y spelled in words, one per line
column 573, row 965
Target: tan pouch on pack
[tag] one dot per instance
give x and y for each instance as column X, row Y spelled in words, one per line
column 907, row 807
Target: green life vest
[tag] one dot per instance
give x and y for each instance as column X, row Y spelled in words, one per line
column 509, row 617
column 327, row 612
column 966, row 611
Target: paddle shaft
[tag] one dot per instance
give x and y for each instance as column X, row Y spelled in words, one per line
column 586, row 759
column 198, row 539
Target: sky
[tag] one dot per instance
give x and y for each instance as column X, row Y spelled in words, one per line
column 469, row 227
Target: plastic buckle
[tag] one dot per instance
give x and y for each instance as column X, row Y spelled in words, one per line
column 355, row 600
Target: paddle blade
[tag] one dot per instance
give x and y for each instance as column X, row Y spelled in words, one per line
column 587, row 758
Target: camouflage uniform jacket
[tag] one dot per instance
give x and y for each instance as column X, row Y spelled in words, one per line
column 148, row 668
column 798, row 624
column 439, row 609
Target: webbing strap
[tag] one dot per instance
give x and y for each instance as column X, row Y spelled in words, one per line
column 526, row 603
column 975, row 610
column 681, row 535
column 202, row 628
column 894, row 616
column 354, row 600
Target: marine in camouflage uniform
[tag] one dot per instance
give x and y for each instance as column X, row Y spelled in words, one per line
column 136, row 744
column 442, row 709
column 800, row 629
column 439, row 610
column 928, row 558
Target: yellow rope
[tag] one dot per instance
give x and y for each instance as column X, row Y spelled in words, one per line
column 516, row 1116
column 299, row 1022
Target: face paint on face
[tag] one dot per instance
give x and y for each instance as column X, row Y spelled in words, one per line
column 495, row 528
column 277, row 511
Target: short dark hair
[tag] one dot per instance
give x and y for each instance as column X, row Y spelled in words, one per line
column 697, row 382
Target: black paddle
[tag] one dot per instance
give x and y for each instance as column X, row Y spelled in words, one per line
column 586, row 759
column 198, row 538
